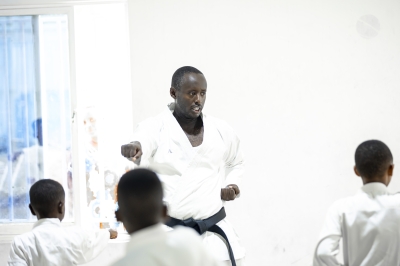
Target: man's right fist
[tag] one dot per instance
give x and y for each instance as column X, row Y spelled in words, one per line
column 132, row 150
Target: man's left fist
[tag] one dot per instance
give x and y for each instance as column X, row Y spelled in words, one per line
column 230, row 192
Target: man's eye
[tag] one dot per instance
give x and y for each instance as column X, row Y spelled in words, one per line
column 203, row 93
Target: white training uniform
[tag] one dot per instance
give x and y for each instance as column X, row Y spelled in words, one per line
column 50, row 244
column 369, row 223
column 192, row 178
column 154, row 246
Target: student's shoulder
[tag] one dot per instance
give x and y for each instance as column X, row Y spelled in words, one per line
column 349, row 203
column 23, row 238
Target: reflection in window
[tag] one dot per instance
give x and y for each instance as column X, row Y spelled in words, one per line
column 35, row 134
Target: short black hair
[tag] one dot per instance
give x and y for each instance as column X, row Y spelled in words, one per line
column 140, row 197
column 45, row 195
column 372, row 158
column 177, row 77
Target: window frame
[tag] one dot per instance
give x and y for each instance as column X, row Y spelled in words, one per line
column 9, row 230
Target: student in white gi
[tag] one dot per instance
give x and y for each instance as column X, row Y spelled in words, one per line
column 50, row 244
column 368, row 222
column 196, row 156
column 141, row 209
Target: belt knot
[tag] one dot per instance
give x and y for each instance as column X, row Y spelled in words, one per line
column 190, row 222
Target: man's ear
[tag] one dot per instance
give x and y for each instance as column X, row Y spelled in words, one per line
column 32, row 210
column 60, row 207
column 390, row 170
column 118, row 216
column 356, row 171
column 164, row 213
column 172, row 92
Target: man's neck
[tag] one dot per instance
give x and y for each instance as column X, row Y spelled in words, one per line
column 191, row 126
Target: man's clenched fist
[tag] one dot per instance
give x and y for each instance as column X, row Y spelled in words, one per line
column 230, row 192
column 132, row 150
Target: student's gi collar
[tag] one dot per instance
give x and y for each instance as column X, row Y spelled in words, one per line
column 375, row 188
column 147, row 234
column 47, row 221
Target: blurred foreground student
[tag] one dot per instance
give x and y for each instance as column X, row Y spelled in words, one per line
column 49, row 243
column 368, row 222
column 141, row 209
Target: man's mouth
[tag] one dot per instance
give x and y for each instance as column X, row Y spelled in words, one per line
column 196, row 108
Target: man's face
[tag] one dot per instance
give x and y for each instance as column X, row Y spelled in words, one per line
column 191, row 97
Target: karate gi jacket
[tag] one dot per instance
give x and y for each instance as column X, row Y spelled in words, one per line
column 192, row 178
column 50, row 244
column 154, row 246
column 369, row 224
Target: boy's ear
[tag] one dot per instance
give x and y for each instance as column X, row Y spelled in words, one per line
column 390, row 169
column 356, row 171
column 164, row 212
column 60, row 207
column 32, row 210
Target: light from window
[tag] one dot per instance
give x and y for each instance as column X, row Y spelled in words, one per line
column 35, row 133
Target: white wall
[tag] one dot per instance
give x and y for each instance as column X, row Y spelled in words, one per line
column 301, row 86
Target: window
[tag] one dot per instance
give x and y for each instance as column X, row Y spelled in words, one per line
column 79, row 85
column 35, row 130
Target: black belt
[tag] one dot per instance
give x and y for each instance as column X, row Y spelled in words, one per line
column 209, row 224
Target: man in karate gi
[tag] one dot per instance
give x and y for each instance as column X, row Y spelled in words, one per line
column 50, row 244
column 141, row 209
column 368, row 222
column 198, row 160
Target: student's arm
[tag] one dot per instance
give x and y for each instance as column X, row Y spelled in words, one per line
column 16, row 257
column 326, row 251
column 328, row 245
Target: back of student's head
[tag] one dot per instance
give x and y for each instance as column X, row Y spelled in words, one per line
column 140, row 199
column 45, row 196
column 373, row 158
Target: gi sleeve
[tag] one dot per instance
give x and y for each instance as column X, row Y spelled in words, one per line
column 328, row 245
column 234, row 161
column 16, row 256
column 147, row 133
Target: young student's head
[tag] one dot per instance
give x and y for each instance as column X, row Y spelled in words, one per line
column 140, row 200
column 47, row 199
column 374, row 162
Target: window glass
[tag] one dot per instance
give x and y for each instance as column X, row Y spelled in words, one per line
column 35, row 133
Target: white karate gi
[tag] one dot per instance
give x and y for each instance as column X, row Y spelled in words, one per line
column 369, row 224
column 154, row 246
column 51, row 244
column 192, row 178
